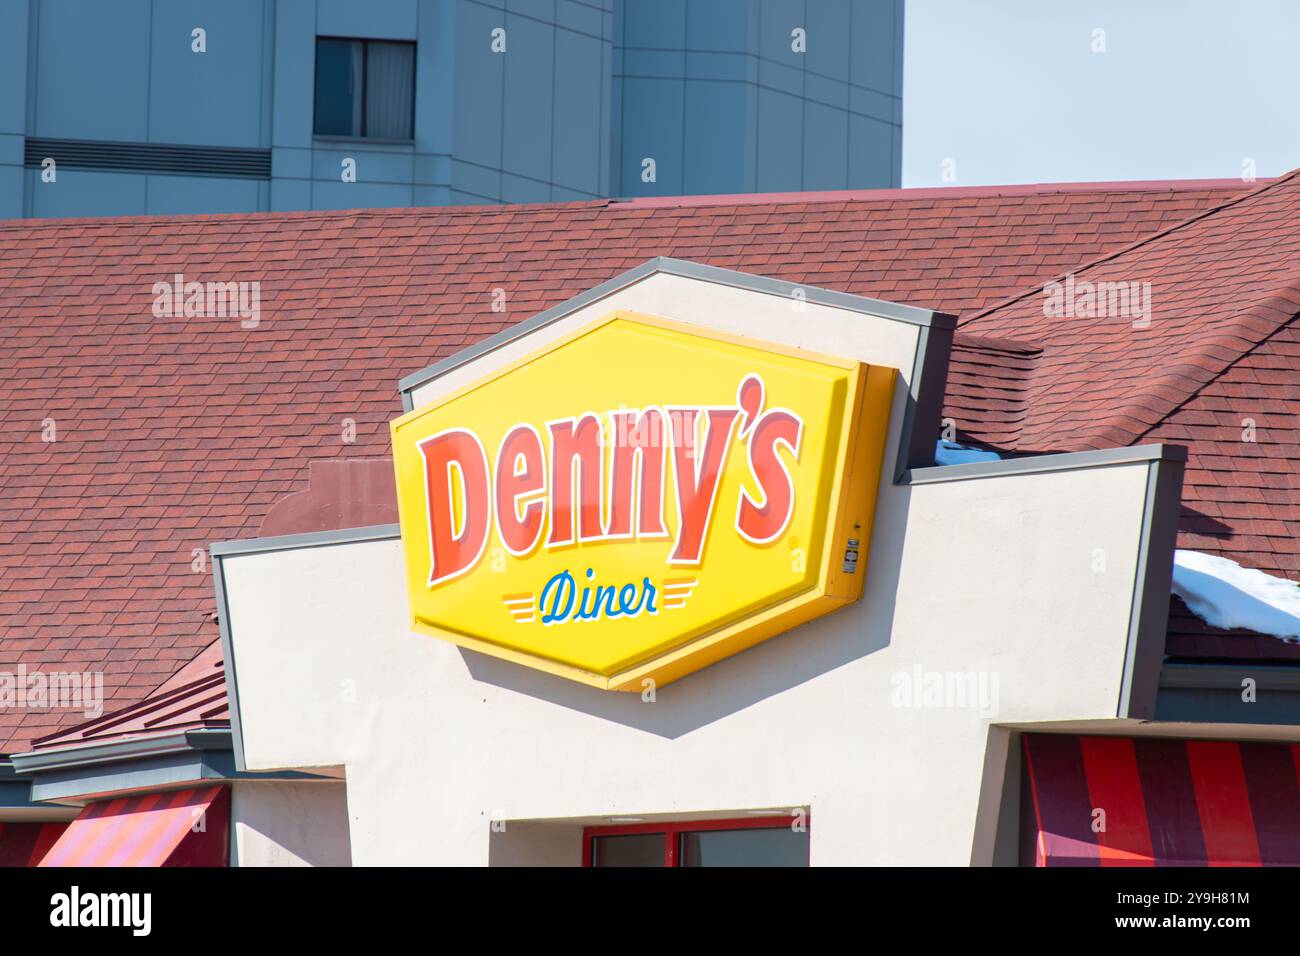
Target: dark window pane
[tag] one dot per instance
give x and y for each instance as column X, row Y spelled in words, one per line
column 777, row 847
column 634, row 849
column 390, row 89
column 338, row 87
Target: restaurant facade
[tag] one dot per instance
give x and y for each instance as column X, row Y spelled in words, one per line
column 699, row 567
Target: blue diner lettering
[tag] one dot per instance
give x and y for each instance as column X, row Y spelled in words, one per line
column 596, row 601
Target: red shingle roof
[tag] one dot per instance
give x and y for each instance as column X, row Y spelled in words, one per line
column 172, row 433
column 1220, row 284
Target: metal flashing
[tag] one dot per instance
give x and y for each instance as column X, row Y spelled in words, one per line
column 308, row 539
column 228, row 657
column 166, row 771
column 1185, row 675
column 1035, row 464
column 100, row 752
column 1149, row 613
column 923, row 413
column 94, row 768
column 912, row 315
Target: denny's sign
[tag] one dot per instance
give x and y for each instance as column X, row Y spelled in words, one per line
column 640, row 499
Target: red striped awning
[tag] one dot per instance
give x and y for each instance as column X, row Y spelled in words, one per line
column 1117, row 801
column 25, row 844
column 177, row 827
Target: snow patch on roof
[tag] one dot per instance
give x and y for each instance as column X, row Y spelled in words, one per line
column 1224, row 594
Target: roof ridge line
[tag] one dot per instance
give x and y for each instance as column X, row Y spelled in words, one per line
column 1236, row 359
column 906, row 194
column 1148, row 396
column 909, row 193
column 1136, row 244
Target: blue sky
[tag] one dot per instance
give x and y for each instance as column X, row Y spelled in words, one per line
column 1012, row 92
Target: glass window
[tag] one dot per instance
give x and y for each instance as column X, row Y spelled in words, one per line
column 338, row 83
column 365, row 88
column 632, row 849
column 783, row 847
column 753, row 841
column 390, row 89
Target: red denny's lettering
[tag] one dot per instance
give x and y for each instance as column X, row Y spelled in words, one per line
column 578, row 487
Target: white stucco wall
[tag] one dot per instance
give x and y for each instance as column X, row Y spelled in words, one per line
column 547, row 843
column 994, row 576
column 438, row 741
column 289, row 824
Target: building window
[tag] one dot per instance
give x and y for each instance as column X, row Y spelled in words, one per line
column 757, row 841
column 365, row 88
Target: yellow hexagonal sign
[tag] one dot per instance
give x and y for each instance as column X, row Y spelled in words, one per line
column 640, row 499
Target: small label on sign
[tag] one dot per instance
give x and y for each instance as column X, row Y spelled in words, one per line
column 851, row 557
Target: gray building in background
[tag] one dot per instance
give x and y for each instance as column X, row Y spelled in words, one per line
column 130, row 107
